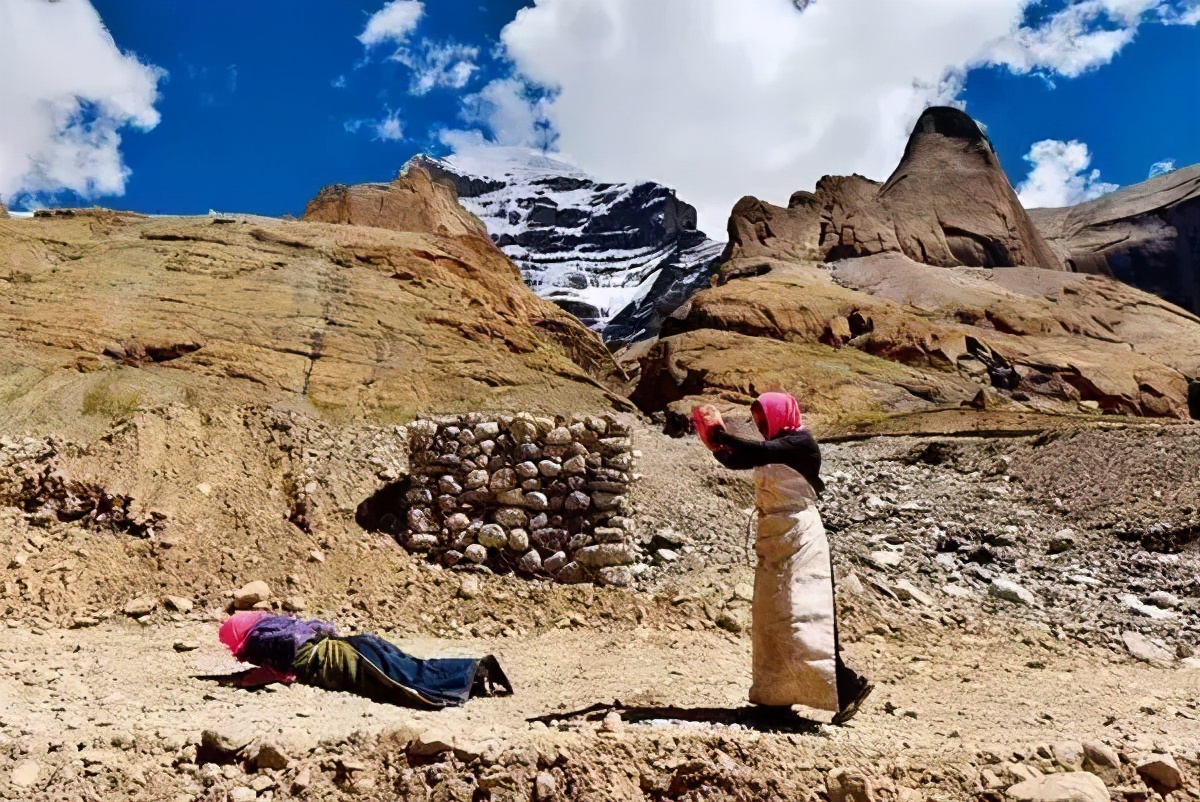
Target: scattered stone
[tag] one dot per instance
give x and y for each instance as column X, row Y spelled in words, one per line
column 545, row 787
column 302, row 781
column 295, row 604
column 1101, row 755
column 185, row 646
column 666, row 555
column 469, row 587
column 25, row 774
column 221, row 745
column 140, row 607
column 732, row 621
column 1010, row 591
column 1146, row 650
column 1160, row 598
column 457, row 522
column 1160, row 771
column 178, row 603
column 1062, row 540
column 251, row 594
column 518, row 540
column 1069, row 754
column 1148, row 610
column 907, row 591
column 1071, row 786
column 475, row 553
column 270, row 757
column 848, row 785
column 316, row 556
column 433, row 741
column 886, row 558
column 242, row 794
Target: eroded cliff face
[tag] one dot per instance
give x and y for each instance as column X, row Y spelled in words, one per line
column 1147, row 235
column 932, row 291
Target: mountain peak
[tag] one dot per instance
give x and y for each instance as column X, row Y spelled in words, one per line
column 620, row 256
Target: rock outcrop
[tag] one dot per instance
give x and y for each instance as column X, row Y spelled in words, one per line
column 1147, row 235
column 948, row 203
column 412, row 202
column 930, row 292
column 621, row 257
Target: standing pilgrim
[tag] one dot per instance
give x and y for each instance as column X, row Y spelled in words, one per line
column 796, row 655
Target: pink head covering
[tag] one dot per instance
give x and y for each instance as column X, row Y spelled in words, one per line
column 780, row 412
column 235, row 629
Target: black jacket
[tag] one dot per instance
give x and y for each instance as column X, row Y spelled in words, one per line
column 797, row 450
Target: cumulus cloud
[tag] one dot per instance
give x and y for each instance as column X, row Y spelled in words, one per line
column 1162, row 168
column 389, row 128
column 1059, row 176
column 393, row 23
column 438, row 64
column 67, row 92
column 720, row 99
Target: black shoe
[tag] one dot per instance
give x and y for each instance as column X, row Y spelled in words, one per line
column 851, row 707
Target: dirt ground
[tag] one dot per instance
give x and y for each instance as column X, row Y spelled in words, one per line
column 974, row 691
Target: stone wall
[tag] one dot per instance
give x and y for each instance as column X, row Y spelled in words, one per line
column 539, row 496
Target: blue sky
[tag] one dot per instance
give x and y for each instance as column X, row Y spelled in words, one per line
column 260, row 103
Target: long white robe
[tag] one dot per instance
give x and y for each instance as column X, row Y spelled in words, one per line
column 795, row 642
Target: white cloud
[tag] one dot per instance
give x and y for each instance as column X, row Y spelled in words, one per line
column 392, row 23
column 434, row 64
column 1162, row 168
column 1059, row 176
column 390, row 129
column 66, row 92
column 719, row 99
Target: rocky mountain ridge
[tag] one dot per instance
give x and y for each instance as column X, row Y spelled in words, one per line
column 932, row 291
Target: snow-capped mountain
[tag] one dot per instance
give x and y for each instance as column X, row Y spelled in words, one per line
column 621, row 257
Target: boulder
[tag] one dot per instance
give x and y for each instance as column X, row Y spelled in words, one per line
column 25, row 774
column 1101, row 755
column 1146, row 650
column 1010, row 591
column 1160, row 772
column 139, row 607
column 1071, row 786
column 250, row 594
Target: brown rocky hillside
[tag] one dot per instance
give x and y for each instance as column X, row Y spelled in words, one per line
column 930, row 292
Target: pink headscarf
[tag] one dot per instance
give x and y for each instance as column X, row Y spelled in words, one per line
column 781, row 412
column 235, row 629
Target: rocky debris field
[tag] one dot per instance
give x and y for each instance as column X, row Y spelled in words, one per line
column 1026, row 606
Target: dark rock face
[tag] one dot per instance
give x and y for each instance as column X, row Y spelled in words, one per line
column 621, row 257
column 1147, row 235
column 948, row 204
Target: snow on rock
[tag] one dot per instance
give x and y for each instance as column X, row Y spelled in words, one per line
column 621, row 257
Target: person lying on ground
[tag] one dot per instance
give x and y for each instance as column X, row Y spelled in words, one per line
column 796, row 656
column 286, row 649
